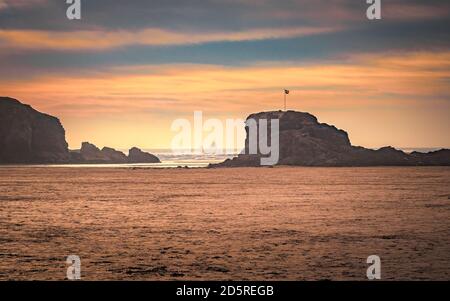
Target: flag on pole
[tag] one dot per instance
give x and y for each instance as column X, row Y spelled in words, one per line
column 286, row 92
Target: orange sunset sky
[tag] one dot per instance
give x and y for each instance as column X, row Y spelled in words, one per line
column 127, row 69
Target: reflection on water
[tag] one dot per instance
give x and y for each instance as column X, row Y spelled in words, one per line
column 168, row 160
column 244, row 223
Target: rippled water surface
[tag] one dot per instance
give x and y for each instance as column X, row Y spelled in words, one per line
column 242, row 224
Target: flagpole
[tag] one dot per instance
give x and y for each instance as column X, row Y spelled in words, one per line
column 284, row 100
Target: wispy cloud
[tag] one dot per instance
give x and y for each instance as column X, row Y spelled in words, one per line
column 101, row 40
column 415, row 11
column 4, row 4
column 421, row 74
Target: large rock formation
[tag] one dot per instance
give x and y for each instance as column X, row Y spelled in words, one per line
column 304, row 141
column 135, row 155
column 28, row 136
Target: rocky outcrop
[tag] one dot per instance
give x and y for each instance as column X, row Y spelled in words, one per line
column 28, row 136
column 440, row 157
column 303, row 141
column 135, row 155
column 89, row 153
column 114, row 155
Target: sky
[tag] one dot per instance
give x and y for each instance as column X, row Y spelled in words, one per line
column 123, row 73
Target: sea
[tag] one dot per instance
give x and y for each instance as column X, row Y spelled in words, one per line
column 284, row 223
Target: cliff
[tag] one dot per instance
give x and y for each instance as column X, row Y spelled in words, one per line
column 303, row 141
column 28, row 136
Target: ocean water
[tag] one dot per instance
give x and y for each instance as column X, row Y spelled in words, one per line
column 283, row 223
column 168, row 159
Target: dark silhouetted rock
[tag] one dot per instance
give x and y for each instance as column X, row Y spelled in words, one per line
column 75, row 156
column 440, row 157
column 28, row 136
column 114, row 155
column 89, row 153
column 135, row 155
column 306, row 142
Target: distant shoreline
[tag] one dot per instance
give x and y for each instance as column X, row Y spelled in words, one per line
column 206, row 167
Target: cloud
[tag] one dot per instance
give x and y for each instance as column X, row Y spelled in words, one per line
column 204, row 15
column 416, row 11
column 338, row 44
column 20, row 4
column 184, row 86
column 100, row 40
